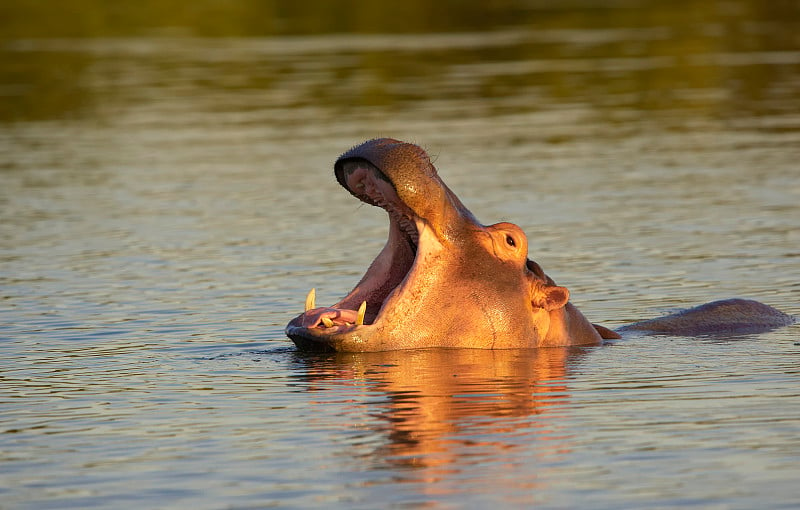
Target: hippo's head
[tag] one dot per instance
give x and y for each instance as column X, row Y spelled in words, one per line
column 443, row 279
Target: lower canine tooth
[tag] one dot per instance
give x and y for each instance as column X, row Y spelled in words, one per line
column 361, row 311
column 312, row 296
column 328, row 323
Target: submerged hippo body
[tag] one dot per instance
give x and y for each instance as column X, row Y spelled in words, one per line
column 445, row 280
column 727, row 316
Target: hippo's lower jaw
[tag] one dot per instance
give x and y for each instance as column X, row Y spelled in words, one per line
column 349, row 320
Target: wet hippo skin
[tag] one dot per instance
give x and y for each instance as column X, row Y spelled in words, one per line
column 445, row 280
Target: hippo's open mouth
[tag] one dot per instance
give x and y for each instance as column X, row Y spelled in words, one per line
column 319, row 327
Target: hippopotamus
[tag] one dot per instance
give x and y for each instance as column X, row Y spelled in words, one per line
column 443, row 279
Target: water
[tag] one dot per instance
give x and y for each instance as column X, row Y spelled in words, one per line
column 168, row 199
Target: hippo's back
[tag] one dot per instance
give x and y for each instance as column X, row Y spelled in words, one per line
column 729, row 316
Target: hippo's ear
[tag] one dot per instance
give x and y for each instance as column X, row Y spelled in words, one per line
column 551, row 297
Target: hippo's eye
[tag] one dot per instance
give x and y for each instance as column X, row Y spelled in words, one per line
column 510, row 241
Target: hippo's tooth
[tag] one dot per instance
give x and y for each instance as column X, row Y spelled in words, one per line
column 361, row 311
column 328, row 323
column 312, row 296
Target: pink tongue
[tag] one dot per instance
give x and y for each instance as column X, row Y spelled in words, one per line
column 312, row 318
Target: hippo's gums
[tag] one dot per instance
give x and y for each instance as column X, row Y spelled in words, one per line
column 445, row 280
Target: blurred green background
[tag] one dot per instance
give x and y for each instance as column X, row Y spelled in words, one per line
column 254, row 18
column 51, row 52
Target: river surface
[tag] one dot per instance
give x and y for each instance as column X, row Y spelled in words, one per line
column 168, row 200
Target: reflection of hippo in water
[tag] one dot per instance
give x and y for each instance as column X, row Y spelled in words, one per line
column 445, row 280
